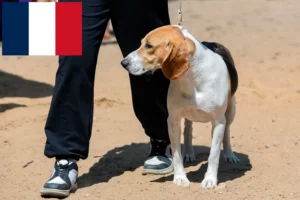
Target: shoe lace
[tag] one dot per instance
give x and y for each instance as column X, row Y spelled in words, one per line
column 158, row 148
column 62, row 170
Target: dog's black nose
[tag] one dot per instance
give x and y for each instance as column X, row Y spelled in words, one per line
column 125, row 63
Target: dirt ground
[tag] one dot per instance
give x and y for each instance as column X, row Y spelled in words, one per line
column 264, row 38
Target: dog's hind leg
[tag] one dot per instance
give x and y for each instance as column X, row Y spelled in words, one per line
column 188, row 151
column 230, row 114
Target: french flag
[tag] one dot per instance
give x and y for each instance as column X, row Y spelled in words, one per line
column 41, row 28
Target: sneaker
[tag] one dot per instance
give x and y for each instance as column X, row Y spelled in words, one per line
column 159, row 160
column 62, row 181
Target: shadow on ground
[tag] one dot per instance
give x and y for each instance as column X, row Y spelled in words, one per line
column 8, row 106
column 15, row 86
column 130, row 157
column 115, row 163
column 226, row 172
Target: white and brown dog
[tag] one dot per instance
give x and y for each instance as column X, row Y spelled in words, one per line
column 203, row 83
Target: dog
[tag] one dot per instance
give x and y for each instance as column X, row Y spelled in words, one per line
column 203, row 83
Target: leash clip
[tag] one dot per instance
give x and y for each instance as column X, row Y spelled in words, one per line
column 180, row 13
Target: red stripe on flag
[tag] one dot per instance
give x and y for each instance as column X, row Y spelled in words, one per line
column 69, row 28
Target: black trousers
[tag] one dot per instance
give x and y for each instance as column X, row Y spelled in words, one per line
column 69, row 123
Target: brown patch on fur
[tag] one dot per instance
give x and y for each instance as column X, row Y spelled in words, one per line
column 226, row 55
column 191, row 46
column 166, row 48
column 177, row 61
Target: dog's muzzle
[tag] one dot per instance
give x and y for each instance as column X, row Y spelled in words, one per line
column 133, row 64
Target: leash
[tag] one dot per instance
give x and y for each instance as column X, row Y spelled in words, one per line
column 180, row 13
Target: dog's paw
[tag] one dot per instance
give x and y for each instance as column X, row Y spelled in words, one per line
column 209, row 182
column 189, row 157
column 181, row 181
column 230, row 157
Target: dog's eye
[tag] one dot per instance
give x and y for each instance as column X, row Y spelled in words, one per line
column 148, row 46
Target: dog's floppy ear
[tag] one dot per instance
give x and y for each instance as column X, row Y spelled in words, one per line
column 176, row 62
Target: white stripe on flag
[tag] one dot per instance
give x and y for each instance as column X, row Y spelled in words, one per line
column 42, row 28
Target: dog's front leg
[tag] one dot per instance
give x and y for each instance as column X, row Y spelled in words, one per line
column 175, row 134
column 210, row 179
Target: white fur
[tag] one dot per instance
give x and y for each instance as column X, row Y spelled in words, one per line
column 200, row 95
column 135, row 66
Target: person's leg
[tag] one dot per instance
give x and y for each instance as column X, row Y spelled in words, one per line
column 107, row 34
column 132, row 20
column 69, row 123
column 108, row 38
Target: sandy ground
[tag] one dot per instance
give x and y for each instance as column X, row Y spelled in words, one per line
column 264, row 38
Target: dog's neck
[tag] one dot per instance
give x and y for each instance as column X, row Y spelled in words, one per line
column 196, row 73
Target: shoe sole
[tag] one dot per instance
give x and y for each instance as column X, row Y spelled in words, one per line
column 47, row 192
column 158, row 172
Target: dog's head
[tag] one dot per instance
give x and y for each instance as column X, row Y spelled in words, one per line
column 164, row 48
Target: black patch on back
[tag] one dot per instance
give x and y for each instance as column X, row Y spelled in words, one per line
column 226, row 55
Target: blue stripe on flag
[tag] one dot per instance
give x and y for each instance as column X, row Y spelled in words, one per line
column 15, row 25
